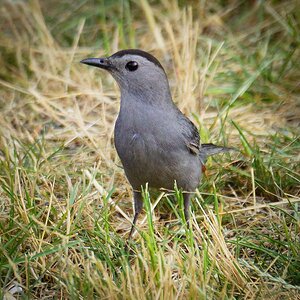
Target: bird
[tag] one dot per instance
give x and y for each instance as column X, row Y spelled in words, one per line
column 157, row 144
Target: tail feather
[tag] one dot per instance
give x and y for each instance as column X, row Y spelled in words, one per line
column 211, row 149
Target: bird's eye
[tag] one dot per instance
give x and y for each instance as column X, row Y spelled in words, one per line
column 132, row 66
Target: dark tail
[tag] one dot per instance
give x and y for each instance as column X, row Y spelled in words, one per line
column 211, row 149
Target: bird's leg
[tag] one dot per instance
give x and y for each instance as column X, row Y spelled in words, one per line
column 138, row 205
column 187, row 200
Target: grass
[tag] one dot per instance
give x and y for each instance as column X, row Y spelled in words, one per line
column 66, row 206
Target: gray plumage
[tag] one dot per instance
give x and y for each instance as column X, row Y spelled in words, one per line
column 156, row 143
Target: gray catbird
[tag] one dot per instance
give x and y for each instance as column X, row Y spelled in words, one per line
column 157, row 144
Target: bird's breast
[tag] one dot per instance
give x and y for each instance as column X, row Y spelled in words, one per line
column 130, row 145
column 153, row 149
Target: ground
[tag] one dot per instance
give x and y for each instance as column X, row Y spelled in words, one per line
column 66, row 205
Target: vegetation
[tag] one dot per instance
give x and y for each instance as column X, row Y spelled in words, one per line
column 66, row 206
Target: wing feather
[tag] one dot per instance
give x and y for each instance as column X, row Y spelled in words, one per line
column 190, row 134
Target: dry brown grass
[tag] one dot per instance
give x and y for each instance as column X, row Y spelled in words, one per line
column 60, row 235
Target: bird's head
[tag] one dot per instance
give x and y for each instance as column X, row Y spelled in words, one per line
column 136, row 71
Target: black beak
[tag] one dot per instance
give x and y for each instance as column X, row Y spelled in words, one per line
column 102, row 63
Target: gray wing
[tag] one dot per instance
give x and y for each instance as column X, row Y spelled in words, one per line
column 191, row 135
column 192, row 141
